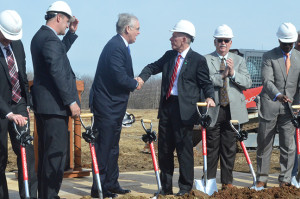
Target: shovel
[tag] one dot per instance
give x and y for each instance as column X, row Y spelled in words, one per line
column 296, row 121
column 241, row 136
column 205, row 185
column 24, row 139
column 89, row 137
column 149, row 137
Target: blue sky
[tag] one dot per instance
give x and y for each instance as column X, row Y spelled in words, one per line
column 254, row 24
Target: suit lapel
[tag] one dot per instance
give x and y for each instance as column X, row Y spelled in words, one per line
column 171, row 67
column 4, row 65
column 281, row 62
column 215, row 61
column 186, row 61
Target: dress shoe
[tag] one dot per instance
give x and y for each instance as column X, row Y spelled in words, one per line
column 164, row 193
column 182, row 192
column 284, row 184
column 106, row 194
column 119, row 190
column 227, row 186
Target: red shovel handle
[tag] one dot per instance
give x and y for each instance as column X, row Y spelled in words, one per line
column 94, row 159
column 155, row 165
column 204, row 147
column 24, row 163
column 298, row 140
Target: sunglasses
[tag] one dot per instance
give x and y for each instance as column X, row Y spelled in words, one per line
column 225, row 40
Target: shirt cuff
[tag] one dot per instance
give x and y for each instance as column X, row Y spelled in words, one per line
column 276, row 97
column 72, row 103
column 233, row 76
column 8, row 114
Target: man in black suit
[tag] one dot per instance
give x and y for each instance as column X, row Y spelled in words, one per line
column 184, row 75
column 112, row 84
column 54, row 94
column 14, row 100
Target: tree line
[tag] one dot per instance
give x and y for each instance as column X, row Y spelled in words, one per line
column 146, row 98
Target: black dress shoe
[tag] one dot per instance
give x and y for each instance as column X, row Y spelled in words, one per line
column 119, row 190
column 182, row 192
column 107, row 194
column 164, row 193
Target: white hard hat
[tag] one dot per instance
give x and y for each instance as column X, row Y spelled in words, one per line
column 287, row 33
column 185, row 27
column 11, row 25
column 223, row 31
column 61, row 7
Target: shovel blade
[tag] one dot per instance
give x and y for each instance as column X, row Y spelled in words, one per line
column 209, row 189
column 295, row 182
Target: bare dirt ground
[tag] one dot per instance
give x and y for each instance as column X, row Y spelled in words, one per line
column 132, row 158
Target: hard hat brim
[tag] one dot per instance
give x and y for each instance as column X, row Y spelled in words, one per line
column 10, row 36
column 72, row 19
column 290, row 40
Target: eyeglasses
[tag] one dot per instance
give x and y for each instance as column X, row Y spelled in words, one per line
column 225, row 40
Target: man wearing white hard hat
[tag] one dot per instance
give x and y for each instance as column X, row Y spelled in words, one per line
column 184, row 76
column 54, row 94
column 230, row 77
column 281, row 80
column 14, row 100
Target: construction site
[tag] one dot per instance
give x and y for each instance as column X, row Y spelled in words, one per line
column 135, row 162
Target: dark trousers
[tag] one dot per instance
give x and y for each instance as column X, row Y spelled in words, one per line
column 53, row 138
column 221, row 143
column 5, row 126
column 173, row 134
column 107, row 146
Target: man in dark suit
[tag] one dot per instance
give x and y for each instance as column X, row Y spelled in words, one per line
column 184, row 75
column 281, row 82
column 54, row 94
column 112, row 84
column 14, row 100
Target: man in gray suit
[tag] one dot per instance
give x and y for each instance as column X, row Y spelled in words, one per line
column 280, row 78
column 230, row 77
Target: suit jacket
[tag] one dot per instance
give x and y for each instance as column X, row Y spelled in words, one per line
column 54, row 83
column 242, row 81
column 113, row 79
column 275, row 80
column 193, row 78
column 5, row 83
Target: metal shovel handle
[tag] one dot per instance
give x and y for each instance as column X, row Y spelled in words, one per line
column 86, row 115
column 146, row 121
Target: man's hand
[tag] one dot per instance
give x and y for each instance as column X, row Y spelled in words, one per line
column 230, row 66
column 140, row 81
column 210, row 102
column 75, row 110
column 18, row 119
column 283, row 98
column 73, row 26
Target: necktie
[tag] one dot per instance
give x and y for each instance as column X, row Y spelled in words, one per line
column 173, row 76
column 224, row 100
column 128, row 49
column 287, row 62
column 14, row 77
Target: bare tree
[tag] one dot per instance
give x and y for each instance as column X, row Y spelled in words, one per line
column 148, row 97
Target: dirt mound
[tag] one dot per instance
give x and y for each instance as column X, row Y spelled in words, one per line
column 233, row 193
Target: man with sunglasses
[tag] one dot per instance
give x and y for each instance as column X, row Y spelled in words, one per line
column 54, row 93
column 230, row 77
column 281, row 82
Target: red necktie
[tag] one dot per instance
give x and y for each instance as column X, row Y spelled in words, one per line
column 14, row 77
column 173, row 76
